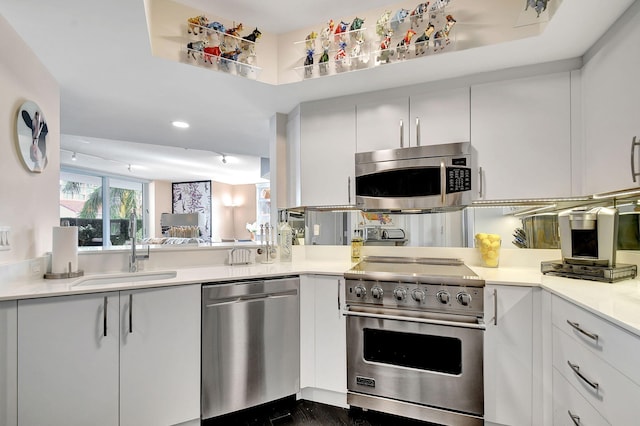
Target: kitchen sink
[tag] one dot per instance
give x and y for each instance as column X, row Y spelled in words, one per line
column 126, row 277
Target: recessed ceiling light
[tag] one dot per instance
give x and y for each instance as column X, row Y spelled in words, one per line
column 180, row 124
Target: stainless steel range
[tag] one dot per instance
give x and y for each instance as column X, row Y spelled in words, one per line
column 415, row 335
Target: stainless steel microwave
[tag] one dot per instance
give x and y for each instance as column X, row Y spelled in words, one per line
column 433, row 177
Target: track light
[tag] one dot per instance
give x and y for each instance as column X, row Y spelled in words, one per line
column 224, row 159
column 73, row 157
column 129, row 167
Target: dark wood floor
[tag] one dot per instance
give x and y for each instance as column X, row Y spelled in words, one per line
column 289, row 412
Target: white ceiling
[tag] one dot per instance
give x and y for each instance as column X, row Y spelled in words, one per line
column 114, row 90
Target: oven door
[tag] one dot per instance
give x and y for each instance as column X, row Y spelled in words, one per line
column 429, row 362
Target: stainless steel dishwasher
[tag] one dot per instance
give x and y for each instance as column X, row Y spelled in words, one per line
column 250, row 344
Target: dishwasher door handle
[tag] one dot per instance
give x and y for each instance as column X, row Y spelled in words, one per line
column 252, row 298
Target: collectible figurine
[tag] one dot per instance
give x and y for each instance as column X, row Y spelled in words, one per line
column 437, row 5
column 382, row 24
column 443, row 34
column 398, row 18
column 385, row 49
column 341, row 54
column 196, row 46
column 234, row 33
column 324, row 61
column 422, row 42
column 308, row 63
column 403, row 45
column 231, row 55
column 210, row 52
column 539, row 5
column 216, row 26
column 341, row 28
column 356, row 51
column 310, row 40
column 248, row 41
column 418, row 14
column 326, row 34
column 197, row 22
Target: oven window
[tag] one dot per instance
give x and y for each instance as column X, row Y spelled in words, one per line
column 421, row 351
column 400, row 183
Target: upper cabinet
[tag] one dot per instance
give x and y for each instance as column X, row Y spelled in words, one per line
column 610, row 93
column 327, row 146
column 521, row 135
column 425, row 118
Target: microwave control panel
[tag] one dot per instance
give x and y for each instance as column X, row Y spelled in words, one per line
column 458, row 179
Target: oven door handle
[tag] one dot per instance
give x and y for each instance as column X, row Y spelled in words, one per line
column 479, row 326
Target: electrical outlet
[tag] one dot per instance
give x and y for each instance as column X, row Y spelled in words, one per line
column 35, row 266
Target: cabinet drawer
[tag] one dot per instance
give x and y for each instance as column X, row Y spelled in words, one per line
column 601, row 385
column 567, row 402
column 613, row 344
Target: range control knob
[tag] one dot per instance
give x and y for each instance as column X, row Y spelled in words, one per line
column 360, row 291
column 399, row 293
column 443, row 297
column 418, row 295
column 464, row 298
column 377, row 292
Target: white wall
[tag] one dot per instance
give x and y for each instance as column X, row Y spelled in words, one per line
column 28, row 201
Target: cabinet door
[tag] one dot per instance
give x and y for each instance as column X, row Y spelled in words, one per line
column 440, row 117
column 8, row 363
column 521, row 132
column 508, row 355
column 68, row 351
column 383, row 124
column 327, row 147
column 331, row 335
column 610, row 93
column 160, row 356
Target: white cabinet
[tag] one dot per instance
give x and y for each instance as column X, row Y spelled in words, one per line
column 509, row 355
column 425, row 118
column 8, row 363
column 521, row 133
column 323, row 356
column 610, row 93
column 127, row 358
column 592, row 356
column 382, row 124
column 327, row 148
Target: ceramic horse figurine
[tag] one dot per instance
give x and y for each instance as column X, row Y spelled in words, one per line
column 385, row 49
column 196, row 23
column 324, row 61
column 443, row 34
column 398, row 18
column 422, row 42
column 341, row 28
column 248, row 42
column 355, row 28
column 308, row 63
column 196, row 46
column 418, row 14
column 403, row 45
column 325, row 34
column 210, row 52
column 382, row 24
column 539, row 5
column 310, row 40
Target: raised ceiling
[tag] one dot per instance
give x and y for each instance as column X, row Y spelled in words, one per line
column 112, row 88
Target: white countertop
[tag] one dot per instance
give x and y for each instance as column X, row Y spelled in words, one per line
column 618, row 303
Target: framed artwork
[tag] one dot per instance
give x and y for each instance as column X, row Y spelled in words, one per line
column 194, row 197
column 32, row 131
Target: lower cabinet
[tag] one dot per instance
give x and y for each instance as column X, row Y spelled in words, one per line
column 509, row 355
column 8, row 363
column 323, row 361
column 117, row 358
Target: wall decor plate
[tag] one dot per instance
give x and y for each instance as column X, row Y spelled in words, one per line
column 32, row 131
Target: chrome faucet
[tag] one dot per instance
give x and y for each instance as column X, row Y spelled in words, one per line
column 133, row 258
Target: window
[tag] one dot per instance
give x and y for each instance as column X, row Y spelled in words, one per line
column 101, row 217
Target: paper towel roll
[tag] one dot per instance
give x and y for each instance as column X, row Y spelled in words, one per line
column 65, row 249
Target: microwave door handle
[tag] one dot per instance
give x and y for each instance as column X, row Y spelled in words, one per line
column 443, row 182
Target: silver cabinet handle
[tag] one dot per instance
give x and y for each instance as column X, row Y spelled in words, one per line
column 480, row 183
column 130, row 312
column 401, row 134
column 443, row 182
column 576, row 369
column 339, row 305
column 634, row 143
column 495, row 306
column 104, row 317
column 417, row 131
column 574, row 418
column 349, row 189
column 586, row 333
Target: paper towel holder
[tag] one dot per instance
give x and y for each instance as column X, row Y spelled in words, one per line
column 61, row 275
